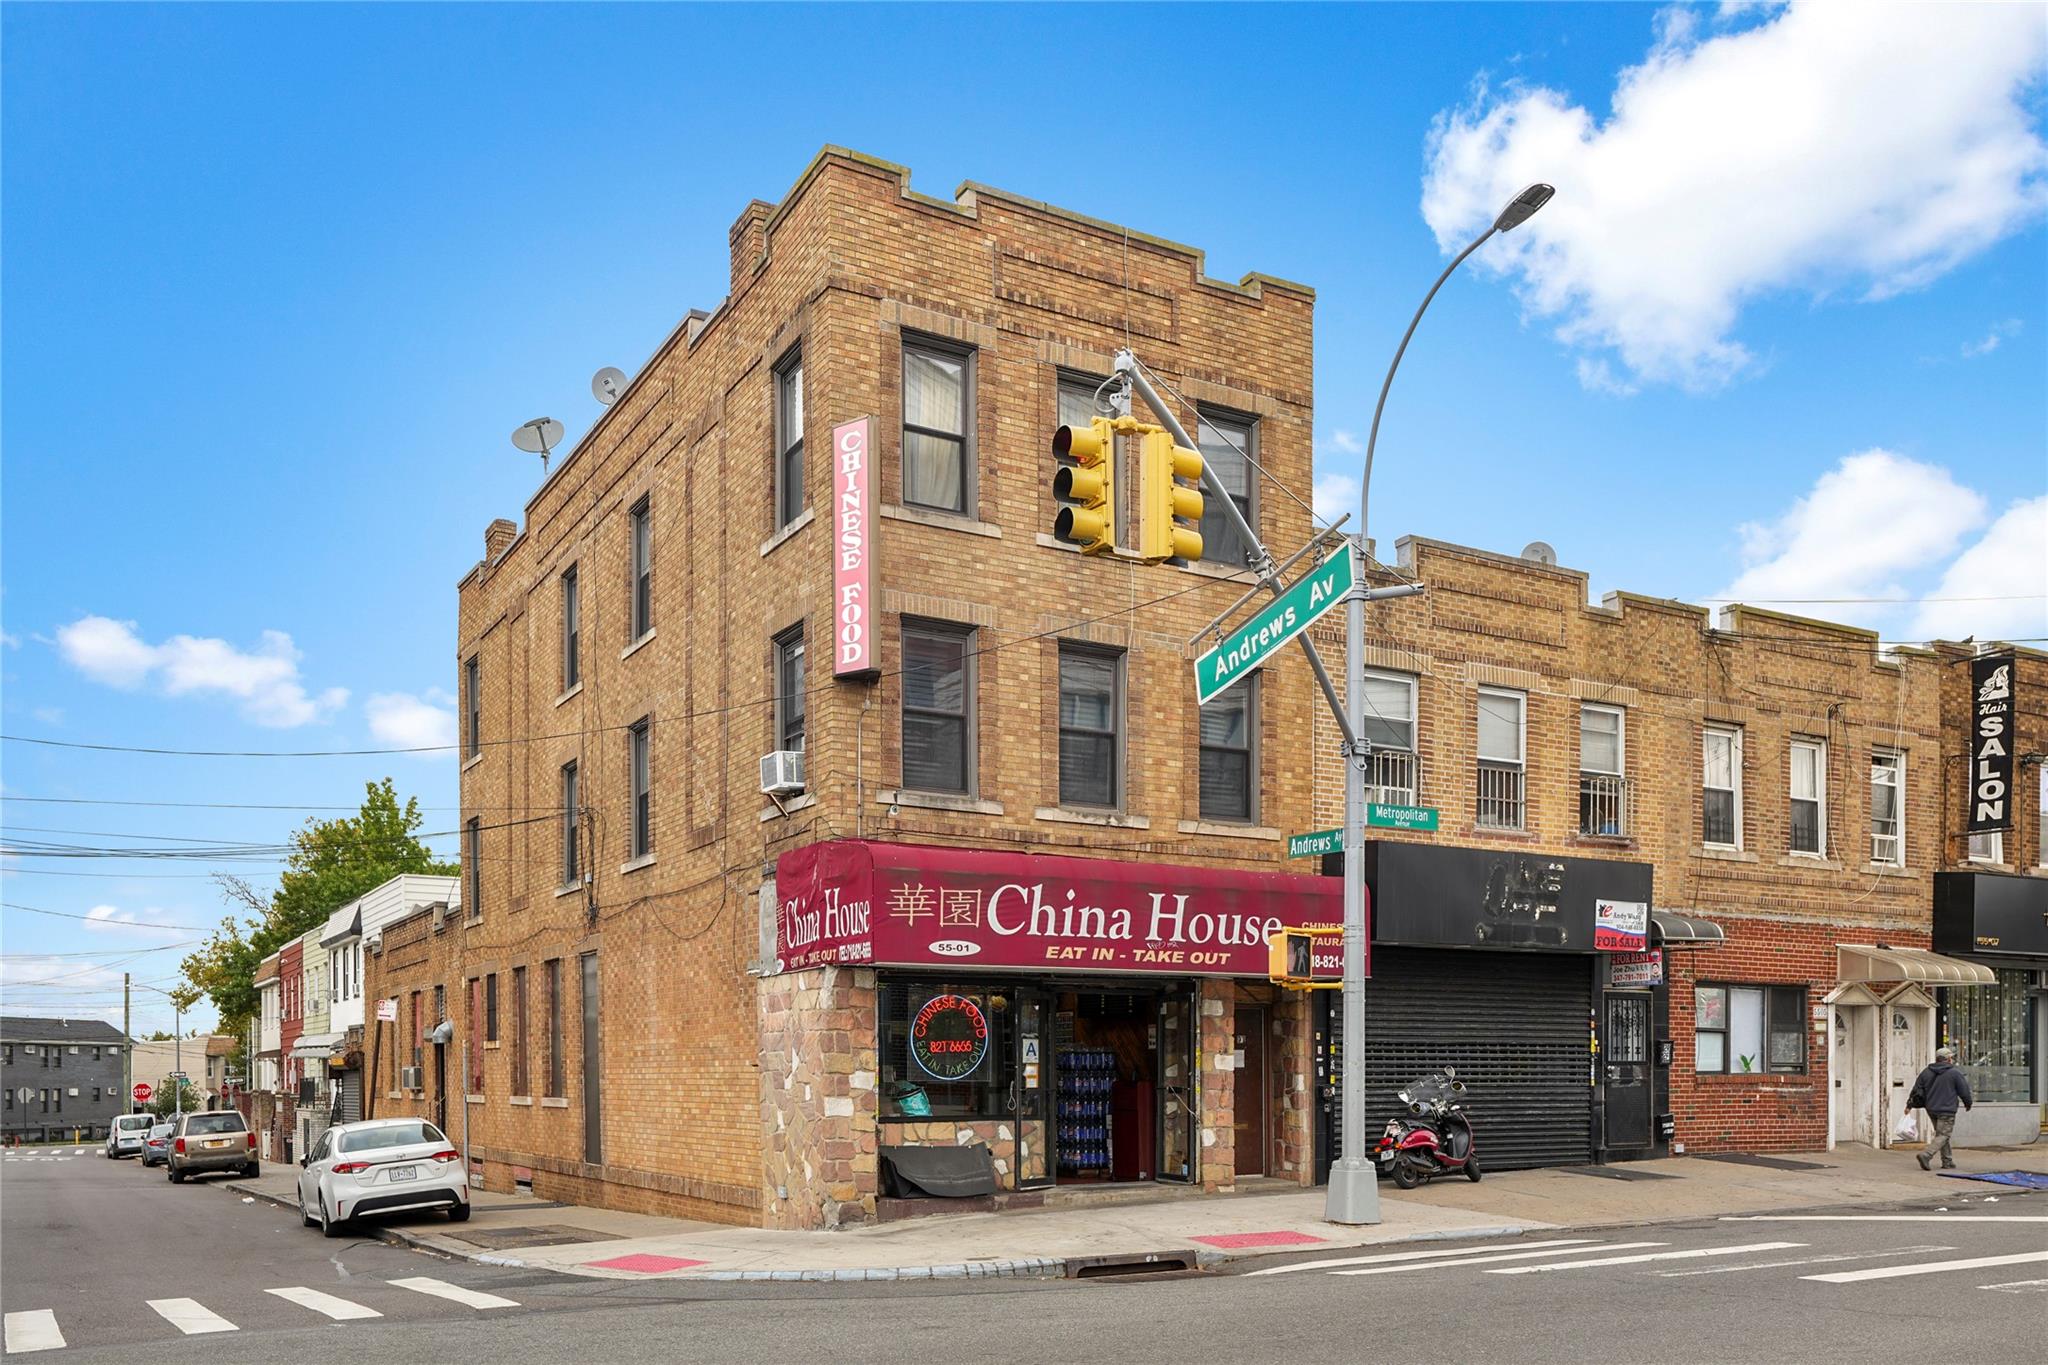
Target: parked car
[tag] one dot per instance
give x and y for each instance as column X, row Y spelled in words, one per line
column 217, row 1140
column 127, row 1133
column 380, row 1166
column 156, row 1146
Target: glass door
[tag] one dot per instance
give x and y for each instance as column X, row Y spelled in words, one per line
column 1032, row 1088
column 1179, row 1092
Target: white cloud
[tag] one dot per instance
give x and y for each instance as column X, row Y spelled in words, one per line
column 1336, row 494
column 2000, row 333
column 2009, row 561
column 1346, row 442
column 404, row 721
column 265, row 681
column 10, row 640
column 1868, row 523
column 1822, row 147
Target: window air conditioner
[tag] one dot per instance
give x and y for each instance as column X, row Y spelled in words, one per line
column 409, row 1078
column 782, row 772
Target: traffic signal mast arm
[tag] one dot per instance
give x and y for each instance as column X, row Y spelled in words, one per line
column 1262, row 562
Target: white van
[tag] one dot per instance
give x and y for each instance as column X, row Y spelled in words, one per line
column 125, row 1135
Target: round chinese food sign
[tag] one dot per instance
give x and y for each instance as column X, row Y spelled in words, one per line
column 949, row 1037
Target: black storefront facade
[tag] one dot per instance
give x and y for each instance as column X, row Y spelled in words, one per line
column 1999, row 1029
column 1486, row 960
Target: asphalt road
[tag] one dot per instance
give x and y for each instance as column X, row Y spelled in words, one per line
column 87, row 1246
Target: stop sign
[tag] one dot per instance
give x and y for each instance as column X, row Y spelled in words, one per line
column 142, row 1092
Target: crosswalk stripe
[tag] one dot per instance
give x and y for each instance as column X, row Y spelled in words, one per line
column 2019, row 1286
column 191, row 1317
column 1893, row 1272
column 338, row 1309
column 1804, row 1260
column 1438, row 1254
column 1488, row 1260
column 1884, row 1217
column 34, row 1330
column 441, row 1289
column 1694, row 1254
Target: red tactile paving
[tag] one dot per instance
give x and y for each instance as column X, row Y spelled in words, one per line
column 644, row 1263
column 1232, row 1241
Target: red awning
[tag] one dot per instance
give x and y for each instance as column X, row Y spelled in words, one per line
column 856, row 901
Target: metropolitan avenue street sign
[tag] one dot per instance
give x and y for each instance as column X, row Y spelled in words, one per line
column 1287, row 616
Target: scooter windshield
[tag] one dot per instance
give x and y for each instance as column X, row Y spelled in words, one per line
column 1429, row 1089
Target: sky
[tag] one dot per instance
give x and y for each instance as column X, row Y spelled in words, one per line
column 277, row 282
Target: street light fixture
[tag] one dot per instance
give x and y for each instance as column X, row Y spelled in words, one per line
column 1353, row 1196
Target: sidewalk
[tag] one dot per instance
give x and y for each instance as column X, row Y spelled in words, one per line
column 519, row 1230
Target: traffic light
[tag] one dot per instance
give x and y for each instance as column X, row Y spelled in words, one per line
column 1306, row 959
column 1087, row 487
column 1164, row 501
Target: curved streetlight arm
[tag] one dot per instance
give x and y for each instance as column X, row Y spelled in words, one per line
column 1372, row 440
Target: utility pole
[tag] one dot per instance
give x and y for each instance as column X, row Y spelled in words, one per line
column 1354, row 1194
column 127, row 1046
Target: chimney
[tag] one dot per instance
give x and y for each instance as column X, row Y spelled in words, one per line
column 749, row 241
column 693, row 325
column 498, row 537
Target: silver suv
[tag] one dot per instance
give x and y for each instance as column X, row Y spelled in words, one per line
column 215, row 1141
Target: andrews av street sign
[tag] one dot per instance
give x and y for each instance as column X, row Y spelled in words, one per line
column 1288, row 615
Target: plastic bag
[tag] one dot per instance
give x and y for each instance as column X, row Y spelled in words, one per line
column 1908, row 1130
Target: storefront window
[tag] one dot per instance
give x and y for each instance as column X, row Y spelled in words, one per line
column 944, row 1051
column 1992, row 1032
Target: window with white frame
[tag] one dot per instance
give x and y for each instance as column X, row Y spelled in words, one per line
column 1987, row 848
column 789, row 439
column 1809, row 797
column 1603, row 805
column 1887, row 798
column 1390, row 729
column 1501, row 753
column 1721, row 787
column 1749, row 1029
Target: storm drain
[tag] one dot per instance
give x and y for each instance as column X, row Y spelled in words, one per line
column 509, row 1239
column 1132, row 1263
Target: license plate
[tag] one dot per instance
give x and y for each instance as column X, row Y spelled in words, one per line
column 405, row 1173
column 218, row 1142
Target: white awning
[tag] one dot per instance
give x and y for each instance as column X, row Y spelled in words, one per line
column 1882, row 962
column 317, row 1045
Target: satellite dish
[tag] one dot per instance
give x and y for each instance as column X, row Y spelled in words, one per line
column 1539, row 552
column 538, row 437
column 607, row 384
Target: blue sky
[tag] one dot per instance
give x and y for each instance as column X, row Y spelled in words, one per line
column 278, row 281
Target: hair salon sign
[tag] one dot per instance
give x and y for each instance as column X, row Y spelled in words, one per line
column 1991, row 743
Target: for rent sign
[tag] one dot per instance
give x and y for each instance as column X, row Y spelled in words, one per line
column 853, row 901
column 853, row 552
column 1991, row 743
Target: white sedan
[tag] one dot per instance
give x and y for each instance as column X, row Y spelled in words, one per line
column 380, row 1166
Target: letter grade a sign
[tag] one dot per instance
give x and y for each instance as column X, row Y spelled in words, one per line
column 1274, row 627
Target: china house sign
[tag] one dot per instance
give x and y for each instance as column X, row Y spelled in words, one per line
column 1991, row 743
column 855, row 901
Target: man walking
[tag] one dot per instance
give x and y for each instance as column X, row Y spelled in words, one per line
column 1938, row 1090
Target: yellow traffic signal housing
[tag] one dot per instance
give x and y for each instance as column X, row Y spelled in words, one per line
column 1088, row 486
column 1164, row 500
column 1290, row 959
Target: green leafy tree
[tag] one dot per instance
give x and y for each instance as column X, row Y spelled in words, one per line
column 331, row 863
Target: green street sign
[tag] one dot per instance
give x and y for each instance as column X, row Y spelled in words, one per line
column 1401, row 817
column 1274, row 626
column 1315, row 845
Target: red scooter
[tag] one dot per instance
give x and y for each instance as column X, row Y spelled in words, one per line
column 1435, row 1138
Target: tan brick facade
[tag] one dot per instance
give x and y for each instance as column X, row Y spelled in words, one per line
column 723, row 1092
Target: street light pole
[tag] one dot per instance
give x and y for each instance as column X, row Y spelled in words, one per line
column 1353, row 1195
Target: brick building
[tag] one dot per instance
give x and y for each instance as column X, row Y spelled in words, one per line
column 654, row 629
column 1789, row 790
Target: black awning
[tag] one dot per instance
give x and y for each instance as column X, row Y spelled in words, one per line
column 1669, row 929
column 949, row 1172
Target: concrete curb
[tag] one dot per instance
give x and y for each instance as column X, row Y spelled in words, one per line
column 1011, row 1268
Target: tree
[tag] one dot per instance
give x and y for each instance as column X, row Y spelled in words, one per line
column 331, row 863
column 158, row 1037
